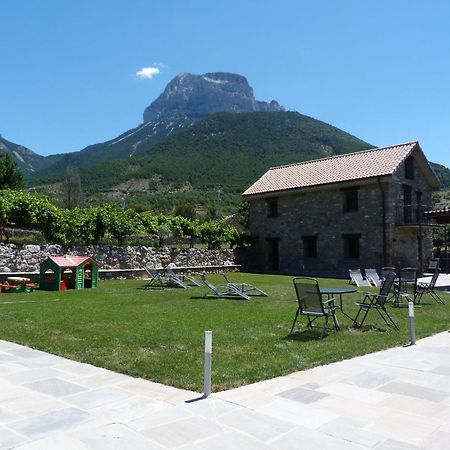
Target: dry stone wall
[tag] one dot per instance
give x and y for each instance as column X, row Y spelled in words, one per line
column 26, row 258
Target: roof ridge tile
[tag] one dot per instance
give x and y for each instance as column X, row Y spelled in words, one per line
column 344, row 154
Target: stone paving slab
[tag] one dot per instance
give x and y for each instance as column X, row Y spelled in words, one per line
column 395, row 399
column 55, row 387
column 414, row 390
column 300, row 394
column 46, row 424
column 232, row 440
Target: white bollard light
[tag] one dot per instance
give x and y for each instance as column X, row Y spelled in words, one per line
column 207, row 366
column 412, row 325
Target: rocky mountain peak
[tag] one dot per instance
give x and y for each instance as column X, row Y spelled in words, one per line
column 26, row 160
column 197, row 96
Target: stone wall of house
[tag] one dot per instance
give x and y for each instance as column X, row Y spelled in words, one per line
column 26, row 258
column 317, row 213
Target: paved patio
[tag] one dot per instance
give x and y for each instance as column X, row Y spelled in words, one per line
column 442, row 283
column 394, row 399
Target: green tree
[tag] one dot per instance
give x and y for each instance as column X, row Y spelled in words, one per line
column 183, row 228
column 21, row 207
column 164, row 229
column 438, row 238
column 10, row 176
column 123, row 223
column 217, row 233
column 184, row 209
column 149, row 223
column 73, row 195
column 243, row 211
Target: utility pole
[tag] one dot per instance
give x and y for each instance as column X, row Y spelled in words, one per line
column 420, row 237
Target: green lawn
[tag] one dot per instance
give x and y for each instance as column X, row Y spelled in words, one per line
column 158, row 334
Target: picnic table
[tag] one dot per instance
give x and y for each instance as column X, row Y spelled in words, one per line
column 17, row 284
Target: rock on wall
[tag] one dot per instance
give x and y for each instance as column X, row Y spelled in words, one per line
column 26, row 258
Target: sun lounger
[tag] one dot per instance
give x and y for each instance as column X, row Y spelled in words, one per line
column 357, row 278
column 373, row 277
column 191, row 279
column 184, row 277
column 247, row 288
column 175, row 278
column 155, row 278
column 227, row 291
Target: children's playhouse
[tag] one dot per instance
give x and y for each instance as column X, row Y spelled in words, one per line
column 59, row 273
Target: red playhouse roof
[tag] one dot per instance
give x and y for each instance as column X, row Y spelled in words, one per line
column 69, row 261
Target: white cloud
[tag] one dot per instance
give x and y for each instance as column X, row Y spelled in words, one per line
column 148, row 72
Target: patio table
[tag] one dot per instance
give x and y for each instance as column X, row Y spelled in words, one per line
column 330, row 291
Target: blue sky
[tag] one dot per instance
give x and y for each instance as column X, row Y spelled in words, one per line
column 379, row 70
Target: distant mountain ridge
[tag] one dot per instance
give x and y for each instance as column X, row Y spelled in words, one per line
column 225, row 148
column 123, row 146
column 27, row 160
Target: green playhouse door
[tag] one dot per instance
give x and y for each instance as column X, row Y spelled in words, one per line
column 89, row 276
column 79, row 282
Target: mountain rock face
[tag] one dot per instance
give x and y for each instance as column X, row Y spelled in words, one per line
column 27, row 161
column 198, row 96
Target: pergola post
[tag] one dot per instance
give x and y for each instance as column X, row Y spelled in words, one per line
column 420, row 239
column 442, row 219
column 446, row 249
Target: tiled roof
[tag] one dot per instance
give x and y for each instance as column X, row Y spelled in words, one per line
column 68, row 260
column 438, row 211
column 350, row 166
column 441, row 216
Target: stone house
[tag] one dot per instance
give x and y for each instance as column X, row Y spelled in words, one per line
column 356, row 210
